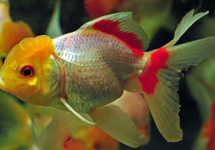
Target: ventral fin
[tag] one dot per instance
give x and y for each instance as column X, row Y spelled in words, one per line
column 122, row 26
column 117, row 124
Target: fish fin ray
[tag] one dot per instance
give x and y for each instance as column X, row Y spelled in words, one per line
column 188, row 20
column 160, row 82
column 84, row 118
column 191, row 53
column 122, row 26
column 133, row 85
column 164, row 107
column 117, row 124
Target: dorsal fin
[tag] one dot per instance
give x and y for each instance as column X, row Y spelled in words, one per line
column 122, row 26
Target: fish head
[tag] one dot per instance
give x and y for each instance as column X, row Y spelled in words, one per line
column 30, row 71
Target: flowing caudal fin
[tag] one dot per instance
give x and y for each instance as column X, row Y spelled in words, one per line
column 188, row 20
column 160, row 79
column 117, row 124
column 122, row 26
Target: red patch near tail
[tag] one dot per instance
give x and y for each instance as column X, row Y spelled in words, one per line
column 149, row 77
column 130, row 39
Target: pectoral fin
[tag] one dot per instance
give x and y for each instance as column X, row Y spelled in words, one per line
column 83, row 117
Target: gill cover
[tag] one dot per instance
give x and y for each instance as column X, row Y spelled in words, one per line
column 39, row 54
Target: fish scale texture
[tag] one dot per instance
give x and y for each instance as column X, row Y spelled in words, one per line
column 98, row 66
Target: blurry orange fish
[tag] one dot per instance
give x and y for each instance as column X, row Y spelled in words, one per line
column 11, row 33
column 91, row 139
column 85, row 70
column 67, row 132
column 206, row 139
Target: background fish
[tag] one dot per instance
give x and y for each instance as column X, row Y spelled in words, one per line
column 201, row 84
column 11, row 33
column 67, row 132
column 98, row 73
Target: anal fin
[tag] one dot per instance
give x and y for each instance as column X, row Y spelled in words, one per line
column 117, row 124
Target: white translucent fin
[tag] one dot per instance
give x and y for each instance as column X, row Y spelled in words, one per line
column 188, row 20
column 163, row 102
column 134, row 104
column 184, row 55
column 164, row 105
column 126, row 24
column 81, row 117
column 54, row 28
column 133, row 85
column 117, row 124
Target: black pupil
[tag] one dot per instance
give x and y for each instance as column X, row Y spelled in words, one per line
column 27, row 72
column 3, row 58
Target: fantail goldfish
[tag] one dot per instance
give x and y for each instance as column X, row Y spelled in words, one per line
column 85, row 70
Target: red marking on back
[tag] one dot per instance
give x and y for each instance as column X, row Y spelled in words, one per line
column 129, row 38
column 210, row 130
column 149, row 77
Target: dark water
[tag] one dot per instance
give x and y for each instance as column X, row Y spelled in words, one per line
column 37, row 14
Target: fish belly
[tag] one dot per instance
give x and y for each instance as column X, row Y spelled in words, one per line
column 98, row 67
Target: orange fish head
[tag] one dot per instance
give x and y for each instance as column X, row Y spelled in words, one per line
column 30, row 71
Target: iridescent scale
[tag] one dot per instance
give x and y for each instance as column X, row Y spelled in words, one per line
column 98, row 66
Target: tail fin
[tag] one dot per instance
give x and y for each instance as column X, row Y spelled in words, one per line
column 160, row 80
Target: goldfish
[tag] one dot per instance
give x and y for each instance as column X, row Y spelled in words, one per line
column 85, row 70
column 200, row 81
column 11, row 33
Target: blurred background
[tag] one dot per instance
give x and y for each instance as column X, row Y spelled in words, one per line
column 74, row 13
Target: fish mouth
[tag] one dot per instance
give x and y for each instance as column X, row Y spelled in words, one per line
column 2, row 84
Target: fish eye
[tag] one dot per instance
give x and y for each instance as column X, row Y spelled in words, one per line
column 3, row 58
column 27, row 71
